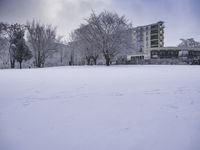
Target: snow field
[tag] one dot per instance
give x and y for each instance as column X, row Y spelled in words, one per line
column 100, row 108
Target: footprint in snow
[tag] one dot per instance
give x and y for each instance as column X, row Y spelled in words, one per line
column 26, row 103
column 118, row 94
column 172, row 106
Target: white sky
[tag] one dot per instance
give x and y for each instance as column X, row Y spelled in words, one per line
column 181, row 17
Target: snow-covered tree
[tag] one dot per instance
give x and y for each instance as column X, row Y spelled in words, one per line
column 88, row 45
column 2, row 38
column 189, row 43
column 4, row 46
column 20, row 50
column 105, row 33
column 42, row 39
column 110, row 33
column 11, row 31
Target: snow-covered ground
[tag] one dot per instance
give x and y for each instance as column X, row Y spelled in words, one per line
column 100, row 108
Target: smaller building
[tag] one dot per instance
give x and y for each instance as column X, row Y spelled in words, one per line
column 135, row 59
column 174, row 52
column 166, row 55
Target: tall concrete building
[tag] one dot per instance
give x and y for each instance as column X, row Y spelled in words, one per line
column 148, row 44
column 148, row 36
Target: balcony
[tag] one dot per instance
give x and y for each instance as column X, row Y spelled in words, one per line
column 154, row 37
column 154, row 32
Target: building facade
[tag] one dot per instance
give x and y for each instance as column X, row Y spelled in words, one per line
column 149, row 46
column 175, row 53
column 149, row 36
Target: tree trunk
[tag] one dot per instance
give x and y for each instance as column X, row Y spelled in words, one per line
column 71, row 62
column 39, row 60
column 42, row 65
column 12, row 63
column 61, row 60
column 88, row 59
column 12, row 60
column 107, row 61
column 38, row 65
column 20, row 65
column 95, row 59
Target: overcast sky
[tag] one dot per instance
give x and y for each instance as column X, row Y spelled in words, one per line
column 181, row 17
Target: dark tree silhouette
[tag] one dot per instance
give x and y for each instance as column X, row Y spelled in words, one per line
column 19, row 48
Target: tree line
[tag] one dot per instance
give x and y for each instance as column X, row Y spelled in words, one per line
column 101, row 37
column 39, row 42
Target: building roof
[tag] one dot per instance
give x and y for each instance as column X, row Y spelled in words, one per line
column 176, row 48
column 159, row 22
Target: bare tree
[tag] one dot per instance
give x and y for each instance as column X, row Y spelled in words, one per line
column 106, row 34
column 62, row 51
column 88, row 44
column 4, row 45
column 3, row 41
column 109, row 32
column 43, row 41
column 74, row 50
column 72, row 44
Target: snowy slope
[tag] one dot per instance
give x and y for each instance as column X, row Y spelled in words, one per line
column 100, row 108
